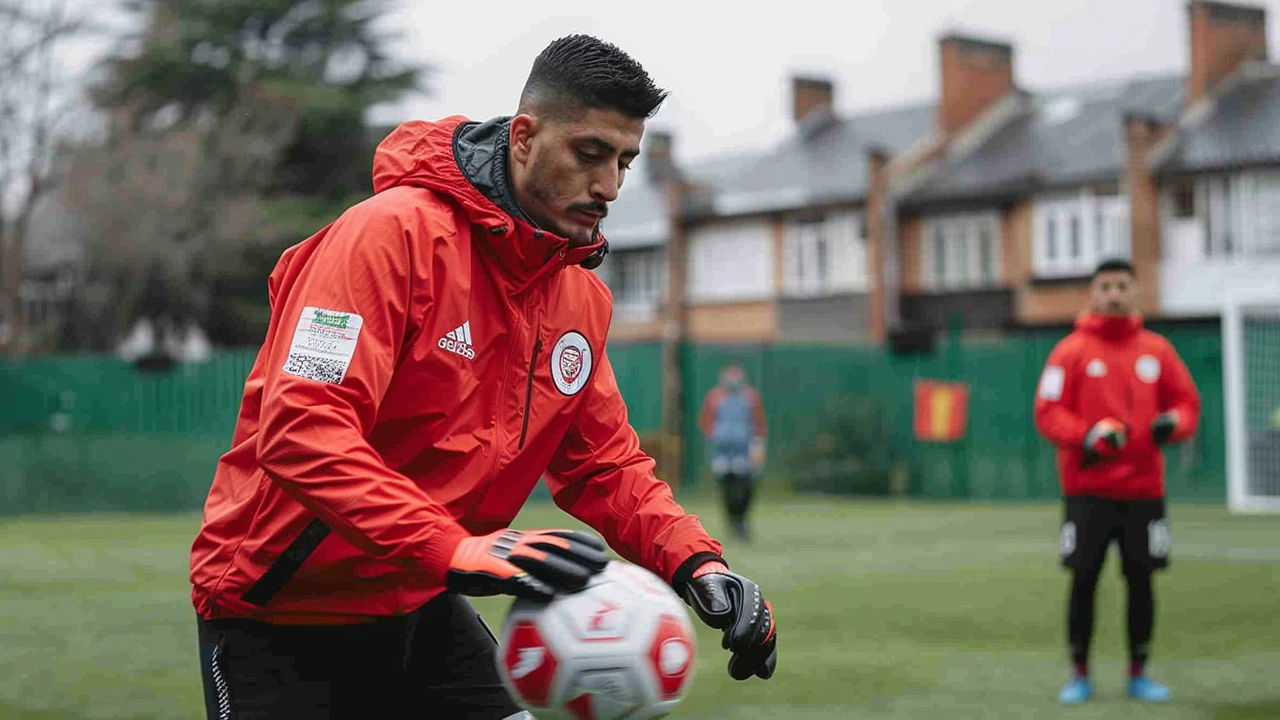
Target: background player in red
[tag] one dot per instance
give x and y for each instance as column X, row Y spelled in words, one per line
column 431, row 355
column 1112, row 393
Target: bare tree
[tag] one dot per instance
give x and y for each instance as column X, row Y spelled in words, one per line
column 36, row 99
column 171, row 207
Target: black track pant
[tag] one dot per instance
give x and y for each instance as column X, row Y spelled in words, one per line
column 737, row 489
column 438, row 661
column 1141, row 529
column 1141, row 612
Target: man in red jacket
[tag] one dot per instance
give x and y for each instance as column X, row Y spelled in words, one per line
column 431, row 354
column 1112, row 393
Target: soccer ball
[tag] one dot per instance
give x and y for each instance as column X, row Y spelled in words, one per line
column 623, row 648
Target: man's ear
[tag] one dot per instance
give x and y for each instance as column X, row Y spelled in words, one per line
column 523, row 128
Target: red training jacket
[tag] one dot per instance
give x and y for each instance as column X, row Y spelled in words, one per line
column 428, row 359
column 1114, row 367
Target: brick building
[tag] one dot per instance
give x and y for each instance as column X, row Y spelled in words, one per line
column 990, row 201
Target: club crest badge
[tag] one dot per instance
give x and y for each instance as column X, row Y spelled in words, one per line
column 571, row 363
column 1147, row 368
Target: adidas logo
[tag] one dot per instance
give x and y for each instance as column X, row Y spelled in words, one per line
column 458, row 341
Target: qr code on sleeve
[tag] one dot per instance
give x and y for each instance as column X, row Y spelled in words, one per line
column 315, row 368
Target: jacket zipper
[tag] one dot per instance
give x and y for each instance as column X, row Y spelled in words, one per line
column 1132, row 404
column 498, row 429
column 528, row 392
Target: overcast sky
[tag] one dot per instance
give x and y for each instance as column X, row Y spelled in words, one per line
column 727, row 64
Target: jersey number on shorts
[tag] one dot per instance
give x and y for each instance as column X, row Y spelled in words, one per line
column 1067, row 543
column 1158, row 538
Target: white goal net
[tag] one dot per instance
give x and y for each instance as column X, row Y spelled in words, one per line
column 1251, row 377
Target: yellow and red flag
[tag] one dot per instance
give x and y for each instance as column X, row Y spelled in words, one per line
column 942, row 410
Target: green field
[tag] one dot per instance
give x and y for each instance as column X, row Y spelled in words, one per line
column 885, row 611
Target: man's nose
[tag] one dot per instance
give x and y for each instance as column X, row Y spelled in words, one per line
column 604, row 187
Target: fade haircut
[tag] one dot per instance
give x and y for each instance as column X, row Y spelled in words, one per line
column 1115, row 265
column 579, row 72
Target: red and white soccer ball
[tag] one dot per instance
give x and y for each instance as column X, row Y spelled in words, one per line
column 621, row 649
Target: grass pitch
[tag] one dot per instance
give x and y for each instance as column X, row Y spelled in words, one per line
column 884, row 611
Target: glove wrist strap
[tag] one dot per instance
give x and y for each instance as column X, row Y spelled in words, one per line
column 685, row 572
column 711, row 566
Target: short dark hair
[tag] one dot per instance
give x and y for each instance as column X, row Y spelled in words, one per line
column 580, row 71
column 1115, row 265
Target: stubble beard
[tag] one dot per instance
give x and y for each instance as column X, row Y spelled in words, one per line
column 542, row 190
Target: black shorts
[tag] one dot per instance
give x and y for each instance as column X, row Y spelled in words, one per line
column 1090, row 524
column 438, row 661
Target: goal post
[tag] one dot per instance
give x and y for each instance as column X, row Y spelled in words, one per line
column 1251, row 385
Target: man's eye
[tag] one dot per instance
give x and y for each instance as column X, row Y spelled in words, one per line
column 588, row 157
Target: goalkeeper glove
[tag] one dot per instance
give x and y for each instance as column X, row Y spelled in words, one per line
column 1105, row 438
column 729, row 602
column 1164, row 425
column 536, row 564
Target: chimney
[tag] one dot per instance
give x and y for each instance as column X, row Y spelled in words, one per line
column 809, row 94
column 658, row 163
column 975, row 75
column 1222, row 37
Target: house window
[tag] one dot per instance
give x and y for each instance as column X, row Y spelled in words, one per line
column 1266, row 231
column 1219, row 196
column 986, row 255
column 963, row 251
column 939, row 254
column 638, row 279
column 825, row 255
column 1073, row 233
column 730, row 262
column 1184, row 200
column 1231, row 216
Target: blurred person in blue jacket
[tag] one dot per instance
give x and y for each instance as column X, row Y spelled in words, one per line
column 733, row 423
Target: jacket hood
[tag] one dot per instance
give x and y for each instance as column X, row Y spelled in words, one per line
column 1111, row 327
column 466, row 161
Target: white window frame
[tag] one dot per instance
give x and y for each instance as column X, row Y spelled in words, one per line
column 638, row 279
column 1235, row 218
column 825, row 256
column 1263, row 239
column 731, row 262
column 1219, row 203
column 960, row 239
column 1239, row 214
column 1101, row 226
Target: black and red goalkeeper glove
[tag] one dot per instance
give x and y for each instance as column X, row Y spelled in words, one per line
column 1105, row 439
column 537, row 564
column 1164, row 425
column 729, row 602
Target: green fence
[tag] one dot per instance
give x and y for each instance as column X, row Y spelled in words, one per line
column 820, row 398
column 90, row 433
column 638, row 367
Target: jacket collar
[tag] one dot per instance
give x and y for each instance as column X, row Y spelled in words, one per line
column 481, row 150
column 1110, row 327
column 471, row 168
